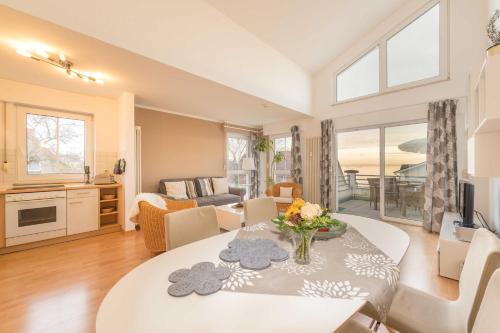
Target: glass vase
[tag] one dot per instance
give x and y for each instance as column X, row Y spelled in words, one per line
column 302, row 246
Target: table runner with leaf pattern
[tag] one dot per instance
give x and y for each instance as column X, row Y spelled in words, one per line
column 347, row 267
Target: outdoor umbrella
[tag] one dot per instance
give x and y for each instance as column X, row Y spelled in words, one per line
column 418, row 146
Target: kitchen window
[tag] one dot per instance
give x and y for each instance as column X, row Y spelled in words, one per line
column 55, row 145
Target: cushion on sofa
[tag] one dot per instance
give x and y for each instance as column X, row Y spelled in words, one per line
column 176, row 190
column 204, row 187
column 218, row 200
column 220, row 185
column 191, row 189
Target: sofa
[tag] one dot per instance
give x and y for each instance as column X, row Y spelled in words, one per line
column 235, row 194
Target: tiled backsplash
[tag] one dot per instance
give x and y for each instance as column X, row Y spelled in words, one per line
column 105, row 161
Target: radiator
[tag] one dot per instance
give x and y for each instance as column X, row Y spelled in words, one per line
column 311, row 176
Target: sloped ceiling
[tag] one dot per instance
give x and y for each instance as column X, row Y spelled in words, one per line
column 189, row 35
column 154, row 84
column 311, row 33
column 264, row 52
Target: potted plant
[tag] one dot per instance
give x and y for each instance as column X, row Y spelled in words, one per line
column 302, row 220
column 265, row 145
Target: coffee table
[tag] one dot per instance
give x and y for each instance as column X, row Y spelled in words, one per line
column 230, row 218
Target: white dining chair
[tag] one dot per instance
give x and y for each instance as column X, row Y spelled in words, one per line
column 190, row 225
column 487, row 319
column 353, row 326
column 259, row 210
column 414, row 311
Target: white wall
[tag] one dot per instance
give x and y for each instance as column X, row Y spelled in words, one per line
column 190, row 35
column 126, row 136
column 487, row 200
column 309, row 127
column 103, row 110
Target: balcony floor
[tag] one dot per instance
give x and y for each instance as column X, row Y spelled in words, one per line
column 362, row 208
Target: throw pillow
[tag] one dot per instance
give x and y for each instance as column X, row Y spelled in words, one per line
column 176, row 190
column 204, row 187
column 286, row 192
column 220, row 186
column 283, row 200
column 191, row 189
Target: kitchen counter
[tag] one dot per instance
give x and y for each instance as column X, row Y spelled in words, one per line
column 68, row 186
column 83, row 213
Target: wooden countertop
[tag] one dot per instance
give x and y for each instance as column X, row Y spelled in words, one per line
column 69, row 186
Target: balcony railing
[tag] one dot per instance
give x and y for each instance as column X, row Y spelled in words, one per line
column 357, row 186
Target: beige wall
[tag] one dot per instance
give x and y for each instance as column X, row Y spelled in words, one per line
column 174, row 146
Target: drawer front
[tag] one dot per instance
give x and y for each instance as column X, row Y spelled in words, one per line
column 83, row 193
column 82, row 215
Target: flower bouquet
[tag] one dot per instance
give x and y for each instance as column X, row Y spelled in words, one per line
column 301, row 221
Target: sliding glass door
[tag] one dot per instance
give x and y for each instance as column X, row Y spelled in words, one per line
column 405, row 171
column 358, row 172
column 381, row 171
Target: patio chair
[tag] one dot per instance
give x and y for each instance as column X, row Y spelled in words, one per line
column 391, row 193
column 374, row 184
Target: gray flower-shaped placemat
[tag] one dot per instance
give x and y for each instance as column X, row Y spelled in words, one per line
column 203, row 278
column 253, row 253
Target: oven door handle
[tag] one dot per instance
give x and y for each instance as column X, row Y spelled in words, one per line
column 34, row 201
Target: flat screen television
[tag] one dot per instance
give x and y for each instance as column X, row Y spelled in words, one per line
column 466, row 203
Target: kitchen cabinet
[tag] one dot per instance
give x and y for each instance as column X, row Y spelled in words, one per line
column 82, row 211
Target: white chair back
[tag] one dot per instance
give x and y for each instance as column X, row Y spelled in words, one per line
column 482, row 259
column 488, row 319
column 190, row 225
column 259, row 210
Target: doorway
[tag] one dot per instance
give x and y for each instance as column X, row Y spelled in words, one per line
column 381, row 171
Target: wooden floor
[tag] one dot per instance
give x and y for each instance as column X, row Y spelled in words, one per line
column 363, row 208
column 58, row 288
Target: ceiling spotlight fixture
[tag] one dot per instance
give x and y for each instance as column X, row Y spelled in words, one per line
column 23, row 53
column 61, row 62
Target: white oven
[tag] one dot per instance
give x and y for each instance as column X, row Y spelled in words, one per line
column 34, row 216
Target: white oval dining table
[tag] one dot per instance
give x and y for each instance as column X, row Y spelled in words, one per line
column 139, row 302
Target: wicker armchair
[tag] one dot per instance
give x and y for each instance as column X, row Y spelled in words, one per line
column 151, row 220
column 274, row 191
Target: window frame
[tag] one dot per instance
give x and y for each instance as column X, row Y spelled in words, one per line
column 444, row 63
column 376, row 46
column 272, row 138
column 381, row 127
column 22, row 167
column 246, row 137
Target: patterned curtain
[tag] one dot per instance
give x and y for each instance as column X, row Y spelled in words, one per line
column 442, row 182
column 255, row 175
column 327, row 160
column 296, row 170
